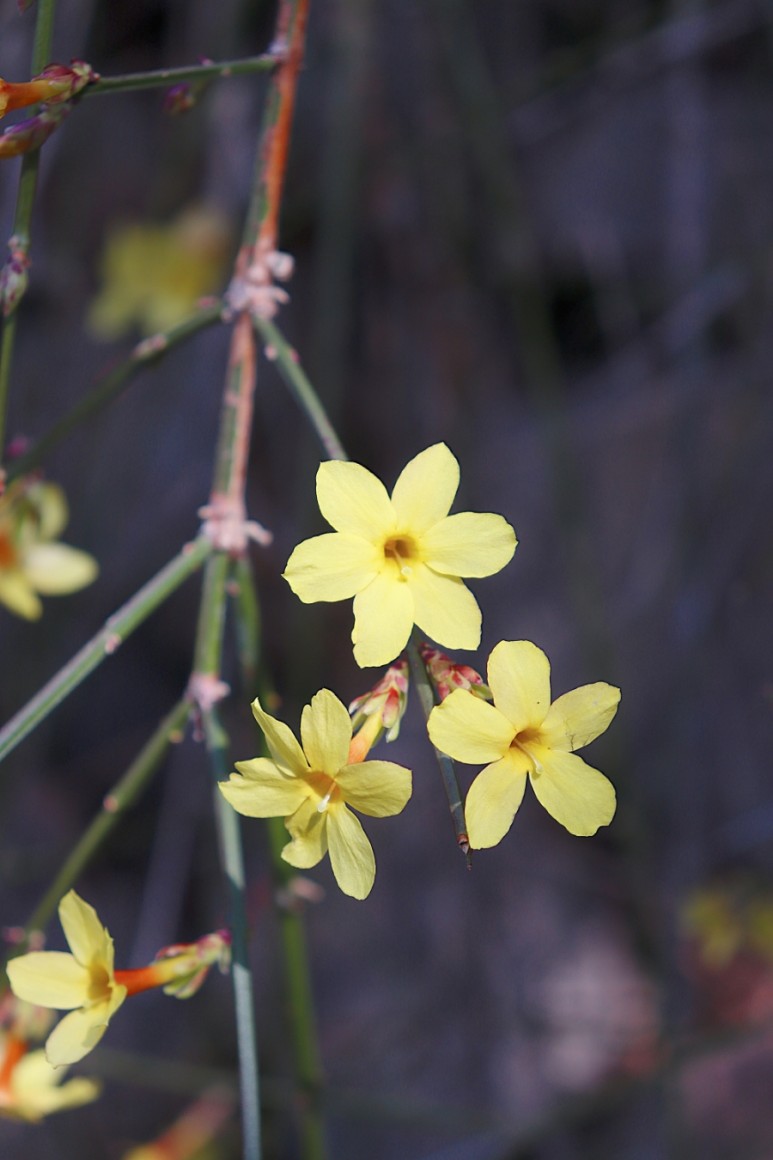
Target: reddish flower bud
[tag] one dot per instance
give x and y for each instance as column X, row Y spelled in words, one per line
column 31, row 134
column 446, row 675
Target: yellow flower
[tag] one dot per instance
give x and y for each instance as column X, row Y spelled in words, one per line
column 82, row 982
column 312, row 788
column 401, row 558
column 31, row 560
column 154, row 275
column 30, row 1088
column 522, row 735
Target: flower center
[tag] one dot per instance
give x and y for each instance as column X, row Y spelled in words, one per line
column 7, row 553
column 100, row 983
column 401, row 551
column 524, row 741
column 324, row 787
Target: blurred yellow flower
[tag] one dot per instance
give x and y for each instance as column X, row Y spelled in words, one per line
column 154, row 275
column 32, row 561
column 82, row 982
column 400, row 557
column 312, row 788
column 30, row 1088
column 523, row 735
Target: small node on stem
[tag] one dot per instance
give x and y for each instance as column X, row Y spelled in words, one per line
column 111, row 804
column 298, row 892
column 205, row 690
column 153, row 345
column 253, row 289
column 112, row 643
column 227, row 528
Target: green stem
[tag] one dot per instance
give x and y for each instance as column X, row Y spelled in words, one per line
column 299, row 1001
column 117, row 801
column 160, row 78
column 25, row 197
column 110, row 386
column 298, row 382
column 246, row 623
column 209, row 634
column 428, row 700
column 233, row 866
column 115, row 631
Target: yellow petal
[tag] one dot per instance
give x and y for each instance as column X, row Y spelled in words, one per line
column 56, row 569
column 49, row 979
column 76, row 1035
column 326, row 730
column 519, row 678
column 37, row 1091
column 425, row 489
column 17, row 594
column 281, row 741
column 51, row 504
column 383, row 619
column 494, row 798
column 469, row 544
column 351, row 854
column 469, row 729
column 332, row 567
column 577, row 718
column 308, row 830
column 264, row 790
column 445, row 609
column 574, row 793
column 353, row 500
column 86, row 936
column 377, row 788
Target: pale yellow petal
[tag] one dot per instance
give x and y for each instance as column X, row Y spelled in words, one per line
column 425, row 489
column 264, row 790
column 445, row 609
column 469, row 729
column 86, row 936
column 49, row 979
column 353, row 500
column 377, row 788
column 574, row 793
column 37, row 1092
column 469, row 544
column 577, row 718
column 56, row 569
column 281, row 741
column 52, row 512
column 493, row 799
column 351, row 854
column 76, row 1035
column 383, row 619
column 519, row 678
column 334, row 566
column 326, row 730
column 308, row 830
column 17, row 594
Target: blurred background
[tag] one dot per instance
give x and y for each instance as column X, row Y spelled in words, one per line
column 540, row 230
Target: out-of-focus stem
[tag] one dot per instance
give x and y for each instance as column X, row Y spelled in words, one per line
column 115, row 631
column 298, row 382
column 160, row 78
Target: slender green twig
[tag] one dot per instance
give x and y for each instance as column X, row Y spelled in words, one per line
column 246, row 623
column 110, row 386
column 298, row 990
column 428, row 699
column 233, row 866
column 117, row 801
column 115, row 631
column 277, row 347
column 160, row 78
column 25, row 196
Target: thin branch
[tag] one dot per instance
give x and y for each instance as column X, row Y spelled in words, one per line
column 162, row 77
column 115, row 631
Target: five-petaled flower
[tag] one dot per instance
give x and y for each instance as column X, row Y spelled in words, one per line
column 82, row 982
column 30, row 1088
column 31, row 560
column 523, row 735
column 400, row 557
column 313, row 787
column 86, row 983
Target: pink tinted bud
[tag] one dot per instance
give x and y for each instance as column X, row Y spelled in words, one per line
column 191, row 962
column 179, row 99
column 31, row 134
column 386, row 701
column 66, row 81
column 446, row 675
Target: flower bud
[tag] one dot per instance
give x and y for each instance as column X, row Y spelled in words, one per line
column 31, row 134
column 380, row 709
column 446, row 675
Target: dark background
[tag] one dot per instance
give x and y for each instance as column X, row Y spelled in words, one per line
column 539, row 230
